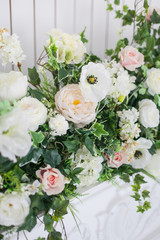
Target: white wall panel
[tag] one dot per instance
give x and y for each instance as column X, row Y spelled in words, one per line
column 65, row 15
column 99, row 27
column 45, row 21
column 5, row 23
column 22, row 19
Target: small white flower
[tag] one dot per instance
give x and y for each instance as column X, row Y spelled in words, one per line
column 32, row 189
column 13, row 209
column 154, row 165
column 14, row 137
column 1, row 182
column 142, row 156
column 10, row 48
column 92, row 166
column 153, row 81
column 13, row 85
column 95, row 82
column 148, row 113
column 35, row 111
column 58, row 125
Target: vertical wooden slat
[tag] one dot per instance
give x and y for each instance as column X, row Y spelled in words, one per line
column 106, row 31
column 45, row 21
column 65, row 15
column 5, row 21
column 23, row 25
column 83, row 19
column 99, row 20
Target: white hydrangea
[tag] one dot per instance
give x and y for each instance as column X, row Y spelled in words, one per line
column 92, row 166
column 122, row 82
column 58, row 125
column 129, row 128
column 70, row 47
column 10, row 48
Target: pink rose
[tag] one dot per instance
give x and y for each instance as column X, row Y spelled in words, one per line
column 131, row 58
column 150, row 12
column 119, row 159
column 72, row 105
column 51, row 178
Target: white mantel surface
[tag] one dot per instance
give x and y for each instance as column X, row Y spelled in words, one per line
column 108, row 212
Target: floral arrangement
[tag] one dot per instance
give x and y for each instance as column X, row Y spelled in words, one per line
column 78, row 120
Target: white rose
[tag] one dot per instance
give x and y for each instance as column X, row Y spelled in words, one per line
column 14, row 137
column 148, row 113
column 153, row 81
column 95, row 82
column 154, row 165
column 13, row 209
column 13, row 85
column 35, row 111
column 142, row 156
column 58, row 125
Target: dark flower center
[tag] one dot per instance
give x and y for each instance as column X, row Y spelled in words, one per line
column 92, row 79
column 138, row 154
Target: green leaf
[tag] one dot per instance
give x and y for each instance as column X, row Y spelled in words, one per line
column 5, row 107
column 37, row 138
column 136, row 196
column 29, row 223
column 155, row 17
column 144, row 69
column 118, row 14
column 125, row 177
column 40, row 238
column 38, row 202
column 109, row 52
column 146, row 5
column 142, row 91
column 98, row 130
column 64, row 73
column 125, row 8
column 109, row 7
column 146, row 205
column 150, row 43
column 77, row 170
column 129, row 17
column 140, row 209
column 145, row 194
column 60, row 207
column 116, row 2
column 72, row 145
column 5, row 164
column 157, row 144
column 157, row 99
column 83, row 38
column 89, row 144
column 34, row 76
column 52, row 157
column 48, row 221
column 54, row 236
column 139, row 179
column 33, row 156
column 36, row 94
column 135, row 187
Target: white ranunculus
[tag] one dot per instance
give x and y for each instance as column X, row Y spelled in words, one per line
column 148, row 113
column 35, row 111
column 154, row 165
column 13, row 209
column 58, row 125
column 95, row 82
column 13, row 85
column 14, row 137
column 153, row 81
column 142, row 156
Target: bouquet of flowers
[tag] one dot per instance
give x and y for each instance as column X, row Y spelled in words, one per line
column 77, row 120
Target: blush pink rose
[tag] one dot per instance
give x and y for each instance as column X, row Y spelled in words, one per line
column 150, row 11
column 119, row 159
column 52, row 180
column 131, row 58
column 72, row 105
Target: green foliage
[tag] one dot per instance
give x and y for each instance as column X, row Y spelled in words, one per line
column 54, row 236
column 72, row 145
column 37, row 138
column 6, row 106
column 60, row 207
column 64, row 73
column 52, row 157
column 34, row 76
column 98, row 130
column 109, row 7
column 36, row 94
column 29, row 223
column 157, row 100
column 33, row 156
column 82, row 35
column 145, row 194
column 117, row 2
column 48, row 221
column 155, row 17
column 5, row 164
column 89, row 144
